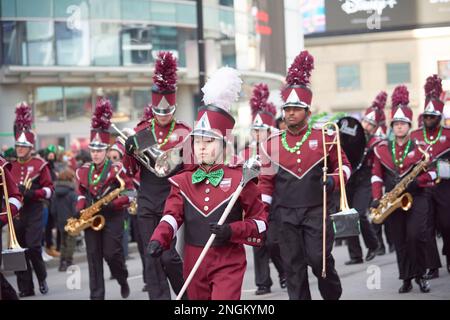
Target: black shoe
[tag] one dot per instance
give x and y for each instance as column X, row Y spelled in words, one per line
column 144, row 288
column 371, row 254
column 63, row 266
column 43, row 288
column 354, row 261
column 424, row 285
column 381, row 251
column 125, row 290
column 406, row 287
column 391, row 248
column 24, row 294
column 262, row 290
column 431, row 274
column 283, row 283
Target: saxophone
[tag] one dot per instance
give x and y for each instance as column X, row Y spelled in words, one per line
column 396, row 198
column 89, row 217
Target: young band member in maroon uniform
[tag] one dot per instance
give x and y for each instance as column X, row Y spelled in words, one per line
column 393, row 161
column 296, row 185
column 359, row 187
column 263, row 123
column 28, row 225
column 95, row 180
column 436, row 138
column 200, row 194
column 166, row 132
column 7, row 292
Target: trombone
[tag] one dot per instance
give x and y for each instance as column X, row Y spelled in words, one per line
column 14, row 251
column 345, row 213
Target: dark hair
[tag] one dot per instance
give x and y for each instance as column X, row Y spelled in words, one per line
column 278, row 122
column 66, row 175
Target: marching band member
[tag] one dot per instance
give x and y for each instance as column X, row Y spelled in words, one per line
column 263, row 122
column 32, row 175
column 95, row 180
column 167, row 133
column 436, row 138
column 7, row 292
column 393, row 161
column 295, row 184
column 359, row 187
column 200, row 194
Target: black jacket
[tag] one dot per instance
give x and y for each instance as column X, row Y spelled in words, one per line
column 63, row 204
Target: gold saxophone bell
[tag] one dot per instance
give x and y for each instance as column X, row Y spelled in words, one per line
column 97, row 222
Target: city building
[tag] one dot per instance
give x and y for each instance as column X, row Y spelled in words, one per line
column 362, row 47
column 61, row 55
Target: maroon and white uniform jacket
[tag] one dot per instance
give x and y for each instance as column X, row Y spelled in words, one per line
column 440, row 149
column 88, row 193
column 14, row 195
column 295, row 179
column 386, row 173
column 42, row 186
column 153, row 190
column 198, row 205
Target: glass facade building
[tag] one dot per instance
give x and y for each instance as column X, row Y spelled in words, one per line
column 61, row 55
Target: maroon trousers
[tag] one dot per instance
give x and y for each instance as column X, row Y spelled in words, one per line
column 219, row 276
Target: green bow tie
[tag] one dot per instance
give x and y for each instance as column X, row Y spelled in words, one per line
column 214, row 177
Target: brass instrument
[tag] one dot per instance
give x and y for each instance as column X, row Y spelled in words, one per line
column 165, row 161
column 14, row 256
column 89, row 217
column 132, row 209
column 346, row 221
column 396, row 198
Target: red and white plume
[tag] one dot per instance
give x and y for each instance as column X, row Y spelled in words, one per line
column 24, row 117
column 165, row 76
column 222, row 88
column 380, row 101
column 299, row 72
column 400, row 96
column 148, row 113
column 433, row 87
column 101, row 119
column 259, row 98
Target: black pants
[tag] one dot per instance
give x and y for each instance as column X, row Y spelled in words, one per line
column 7, row 291
column 359, row 197
column 301, row 245
column 409, row 232
column 433, row 258
column 105, row 244
column 387, row 232
column 29, row 234
column 136, row 235
column 158, row 270
column 269, row 251
column 440, row 204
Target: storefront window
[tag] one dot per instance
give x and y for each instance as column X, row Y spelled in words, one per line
column 40, row 43
column 105, row 44
column 72, row 44
column 78, row 102
column 49, row 104
column 136, row 45
column 13, row 37
column 121, row 102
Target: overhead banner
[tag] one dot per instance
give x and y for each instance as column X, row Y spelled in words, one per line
column 340, row 17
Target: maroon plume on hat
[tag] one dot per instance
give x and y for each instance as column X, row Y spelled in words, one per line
column 400, row 105
column 375, row 113
column 263, row 112
column 296, row 93
column 433, row 91
column 164, row 84
column 101, row 121
column 22, row 126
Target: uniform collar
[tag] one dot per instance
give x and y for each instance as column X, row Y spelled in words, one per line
column 300, row 133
